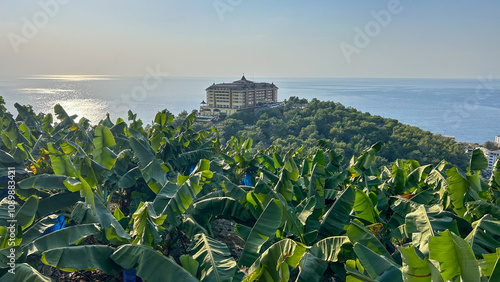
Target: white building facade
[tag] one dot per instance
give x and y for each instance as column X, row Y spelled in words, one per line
column 228, row 98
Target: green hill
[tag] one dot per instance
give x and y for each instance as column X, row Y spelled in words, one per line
column 347, row 130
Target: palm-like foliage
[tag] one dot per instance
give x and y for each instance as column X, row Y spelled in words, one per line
column 128, row 194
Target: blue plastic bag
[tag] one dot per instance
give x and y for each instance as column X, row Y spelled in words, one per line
column 130, row 276
column 247, row 181
column 60, row 224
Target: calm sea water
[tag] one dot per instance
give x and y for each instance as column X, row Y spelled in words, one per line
column 465, row 108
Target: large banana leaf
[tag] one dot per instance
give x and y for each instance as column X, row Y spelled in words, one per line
column 337, row 217
column 419, row 224
column 26, row 214
column 88, row 257
column 316, row 185
column 378, row 266
column 107, row 220
column 44, row 181
column 485, row 237
column 150, row 265
column 150, row 166
column 418, row 268
column 314, row 263
column 273, row 264
column 477, row 209
column 56, row 202
column 173, row 200
column 216, row 263
column 103, row 138
column 191, row 227
column 458, row 189
column 359, row 234
column 355, row 272
column 364, row 209
column 264, row 228
column 490, row 265
column 220, row 206
column 478, row 161
column 311, row 268
column 26, row 273
column 60, row 238
column 455, row 257
column 147, row 225
column 36, row 230
column 80, row 184
column 329, row 248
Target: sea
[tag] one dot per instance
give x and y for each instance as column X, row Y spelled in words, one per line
column 466, row 109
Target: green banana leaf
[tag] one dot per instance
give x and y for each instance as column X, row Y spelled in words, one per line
column 455, row 257
column 37, row 229
column 478, row 161
column 485, row 237
column 417, row 268
column 26, row 214
column 56, row 202
column 378, row 267
column 60, row 238
column 216, row 263
column 103, row 138
column 107, row 220
column 147, row 225
column 26, row 273
column 337, row 217
column 364, row 209
column 490, row 265
column 419, row 224
column 458, row 189
column 263, row 230
column 329, row 248
column 44, row 181
column 357, row 233
column 220, row 206
column 273, row 264
column 190, row 264
column 173, row 200
column 311, row 268
column 88, row 257
column 150, row 265
column 150, row 166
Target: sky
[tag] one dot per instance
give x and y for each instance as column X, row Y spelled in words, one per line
column 278, row 38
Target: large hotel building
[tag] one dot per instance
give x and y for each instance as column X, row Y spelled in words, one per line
column 228, row 98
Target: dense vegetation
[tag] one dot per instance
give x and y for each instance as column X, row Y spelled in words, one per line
column 349, row 131
column 120, row 196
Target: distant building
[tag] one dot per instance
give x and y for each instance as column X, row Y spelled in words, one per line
column 449, row 136
column 492, row 157
column 497, row 140
column 228, row 98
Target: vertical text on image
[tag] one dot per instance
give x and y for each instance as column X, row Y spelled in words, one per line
column 11, row 210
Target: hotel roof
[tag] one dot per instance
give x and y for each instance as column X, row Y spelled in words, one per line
column 243, row 84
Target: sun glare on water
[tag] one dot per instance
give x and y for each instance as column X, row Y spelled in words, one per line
column 72, row 77
column 91, row 109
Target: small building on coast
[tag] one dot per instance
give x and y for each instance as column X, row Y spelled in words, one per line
column 228, row 98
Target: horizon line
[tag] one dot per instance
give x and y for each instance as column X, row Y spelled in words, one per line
column 201, row 76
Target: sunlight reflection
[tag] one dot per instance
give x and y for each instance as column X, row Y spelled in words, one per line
column 72, row 77
column 91, row 109
column 44, row 90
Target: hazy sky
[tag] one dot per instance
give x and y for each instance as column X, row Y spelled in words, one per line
column 278, row 38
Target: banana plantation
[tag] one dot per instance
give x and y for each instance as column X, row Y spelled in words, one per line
column 123, row 201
